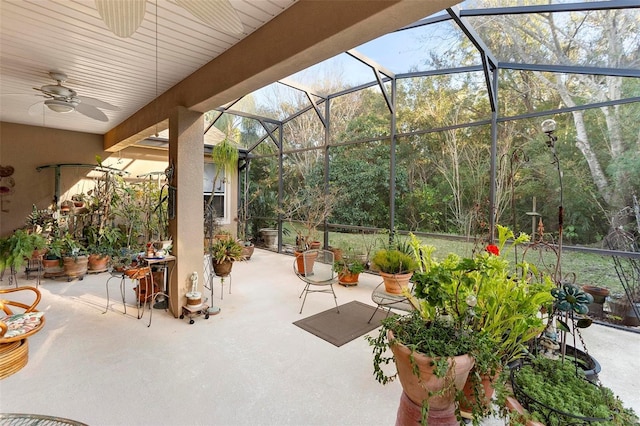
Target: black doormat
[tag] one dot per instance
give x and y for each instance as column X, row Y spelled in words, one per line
column 343, row 327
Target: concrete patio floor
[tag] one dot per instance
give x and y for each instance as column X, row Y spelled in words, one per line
column 248, row 365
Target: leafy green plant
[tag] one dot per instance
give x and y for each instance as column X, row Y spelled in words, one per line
column 65, row 246
column 225, row 250
column 349, row 263
column 439, row 339
column 16, row 249
column 485, row 293
column 105, row 241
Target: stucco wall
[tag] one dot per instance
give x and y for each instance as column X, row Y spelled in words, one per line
column 27, row 147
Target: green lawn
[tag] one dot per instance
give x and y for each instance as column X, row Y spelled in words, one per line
column 584, row 268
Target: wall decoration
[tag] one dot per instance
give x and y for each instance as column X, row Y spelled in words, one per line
column 7, row 182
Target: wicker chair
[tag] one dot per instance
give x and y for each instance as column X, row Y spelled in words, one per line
column 15, row 328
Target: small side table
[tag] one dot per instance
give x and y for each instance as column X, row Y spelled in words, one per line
column 389, row 301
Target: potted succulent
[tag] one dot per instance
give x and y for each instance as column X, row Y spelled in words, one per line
column 396, row 268
column 223, row 254
column 546, row 391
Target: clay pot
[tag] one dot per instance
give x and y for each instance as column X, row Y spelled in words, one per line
column 599, row 293
column 98, row 262
column 417, row 389
column 247, row 251
column 52, row 268
column 394, row 283
column 487, row 386
column 347, row 278
column 222, row 269
column 305, row 261
column 75, row 267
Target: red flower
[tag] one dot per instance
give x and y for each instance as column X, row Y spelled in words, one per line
column 493, row 249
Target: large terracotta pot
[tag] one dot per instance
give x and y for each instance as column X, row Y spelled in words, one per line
column 98, row 262
column 487, row 386
column 394, row 283
column 52, row 268
column 75, row 267
column 305, row 260
column 222, row 269
column 417, row 389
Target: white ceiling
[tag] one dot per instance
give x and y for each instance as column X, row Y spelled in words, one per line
column 38, row 36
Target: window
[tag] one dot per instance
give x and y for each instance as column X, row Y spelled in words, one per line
column 219, row 193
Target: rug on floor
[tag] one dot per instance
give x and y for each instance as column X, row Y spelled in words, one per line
column 343, row 327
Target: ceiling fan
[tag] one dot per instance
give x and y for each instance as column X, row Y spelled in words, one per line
column 124, row 17
column 64, row 100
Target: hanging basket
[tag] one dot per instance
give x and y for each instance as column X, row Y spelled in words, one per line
column 550, row 414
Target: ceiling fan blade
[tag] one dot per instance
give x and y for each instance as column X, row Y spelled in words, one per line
column 122, row 17
column 36, row 109
column 97, row 103
column 92, row 112
column 218, row 14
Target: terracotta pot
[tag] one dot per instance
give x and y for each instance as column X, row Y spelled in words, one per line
column 513, row 405
column 487, row 386
column 315, row 244
column 599, row 293
column 37, row 254
column 52, row 268
column 347, row 278
column 417, row 389
column 75, row 267
column 337, row 253
column 305, row 260
column 98, row 262
column 222, row 269
column 247, row 251
column 394, row 283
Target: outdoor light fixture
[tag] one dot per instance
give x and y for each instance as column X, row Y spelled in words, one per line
column 62, row 107
column 549, row 126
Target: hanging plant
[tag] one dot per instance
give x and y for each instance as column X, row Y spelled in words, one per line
column 224, row 156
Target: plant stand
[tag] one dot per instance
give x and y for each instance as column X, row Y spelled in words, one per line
column 195, row 310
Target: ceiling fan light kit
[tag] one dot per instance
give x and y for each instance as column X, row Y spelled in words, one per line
column 63, row 100
column 61, row 106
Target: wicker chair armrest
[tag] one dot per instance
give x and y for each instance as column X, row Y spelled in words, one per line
column 5, row 304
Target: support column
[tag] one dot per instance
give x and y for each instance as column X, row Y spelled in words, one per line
column 186, row 156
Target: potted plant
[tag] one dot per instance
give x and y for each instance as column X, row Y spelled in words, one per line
column 395, row 267
column 490, row 296
column 73, row 254
column 546, row 391
column 18, row 248
column 223, row 254
column 348, row 267
column 102, row 245
column 433, row 359
column 306, row 209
